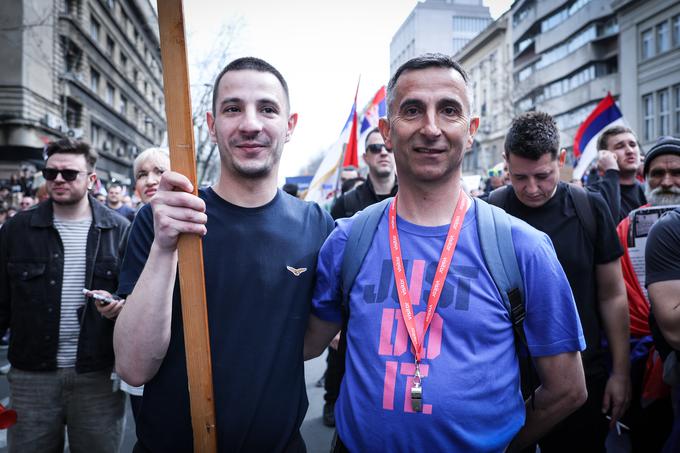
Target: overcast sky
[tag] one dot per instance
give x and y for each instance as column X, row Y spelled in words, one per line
column 320, row 47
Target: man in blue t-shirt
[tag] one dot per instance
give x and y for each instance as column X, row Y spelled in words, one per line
column 114, row 200
column 260, row 248
column 460, row 390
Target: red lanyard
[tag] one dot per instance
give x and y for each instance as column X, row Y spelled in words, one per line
column 442, row 270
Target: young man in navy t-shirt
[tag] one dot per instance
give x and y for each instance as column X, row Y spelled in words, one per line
column 260, row 249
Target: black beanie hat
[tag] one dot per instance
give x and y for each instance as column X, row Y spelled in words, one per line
column 665, row 145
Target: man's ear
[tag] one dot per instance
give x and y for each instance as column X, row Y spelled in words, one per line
column 562, row 157
column 384, row 127
column 92, row 180
column 474, row 125
column 210, row 119
column 292, row 122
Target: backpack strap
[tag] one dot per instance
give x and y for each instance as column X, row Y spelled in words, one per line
column 499, row 197
column 584, row 210
column 495, row 240
column 359, row 240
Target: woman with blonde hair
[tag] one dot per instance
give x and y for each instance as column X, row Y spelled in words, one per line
column 148, row 167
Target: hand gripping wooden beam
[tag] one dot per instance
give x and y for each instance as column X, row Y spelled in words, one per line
column 191, row 276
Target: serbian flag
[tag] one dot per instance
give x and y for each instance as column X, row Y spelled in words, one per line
column 375, row 110
column 351, row 151
column 605, row 115
column 325, row 184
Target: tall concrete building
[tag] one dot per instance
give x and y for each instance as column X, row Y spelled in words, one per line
column 443, row 26
column 87, row 69
column 565, row 58
column 650, row 67
column 487, row 58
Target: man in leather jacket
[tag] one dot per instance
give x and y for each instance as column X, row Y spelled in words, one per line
column 61, row 343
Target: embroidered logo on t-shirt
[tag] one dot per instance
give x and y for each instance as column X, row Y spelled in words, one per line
column 297, row 271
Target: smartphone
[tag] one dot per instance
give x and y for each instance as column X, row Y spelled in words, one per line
column 103, row 300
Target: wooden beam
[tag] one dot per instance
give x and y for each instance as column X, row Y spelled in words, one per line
column 191, row 276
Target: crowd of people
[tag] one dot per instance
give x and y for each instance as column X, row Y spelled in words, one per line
column 506, row 319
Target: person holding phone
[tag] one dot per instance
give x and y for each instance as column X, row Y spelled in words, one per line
column 61, row 349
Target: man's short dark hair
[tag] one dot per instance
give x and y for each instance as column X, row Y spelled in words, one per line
column 603, row 139
column 371, row 132
column 248, row 64
column 113, row 184
column 425, row 61
column 532, row 135
column 71, row 146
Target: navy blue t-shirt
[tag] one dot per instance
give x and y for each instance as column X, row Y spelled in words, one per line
column 257, row 316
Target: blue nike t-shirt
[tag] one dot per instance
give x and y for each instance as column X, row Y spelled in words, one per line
column 471, row 386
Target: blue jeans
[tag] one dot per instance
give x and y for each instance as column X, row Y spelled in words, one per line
column 46, row 401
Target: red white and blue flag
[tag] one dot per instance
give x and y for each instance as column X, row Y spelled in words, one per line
column 605, row 115
column 375, row 110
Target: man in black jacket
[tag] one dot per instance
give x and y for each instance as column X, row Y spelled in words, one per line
column 61, row 348
column 618, row 160
column 381, row 183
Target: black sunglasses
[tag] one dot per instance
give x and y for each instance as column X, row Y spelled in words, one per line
column 50, row 174
column 376, row 148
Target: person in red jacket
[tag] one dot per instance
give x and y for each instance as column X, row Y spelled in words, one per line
column 650, row 414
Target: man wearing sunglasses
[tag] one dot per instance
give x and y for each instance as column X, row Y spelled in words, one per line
column 61, row 348
column 380, row 184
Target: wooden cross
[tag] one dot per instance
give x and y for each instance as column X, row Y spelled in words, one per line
column 191, row 276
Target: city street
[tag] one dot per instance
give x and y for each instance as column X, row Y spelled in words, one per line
column 317, row 436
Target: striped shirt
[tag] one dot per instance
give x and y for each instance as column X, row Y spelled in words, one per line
column 74, row 238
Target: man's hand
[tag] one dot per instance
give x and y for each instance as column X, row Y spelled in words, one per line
column 606, row 160
column 616, row 397
column 176, row 211
column 108, row 310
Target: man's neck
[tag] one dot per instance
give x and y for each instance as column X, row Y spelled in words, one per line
column 626, row 178
column 246, row 192
column 115, row 205
column 78, row 211
column 382, row 185
column 428, row 205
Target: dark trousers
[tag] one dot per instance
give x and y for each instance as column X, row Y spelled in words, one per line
column 651, row 424
column 337, row 446
column 335, row 369
column 586, row 429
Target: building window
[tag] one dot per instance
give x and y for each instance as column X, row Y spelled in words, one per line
column 676, row 31
column 459, row 43
column 123, row 62
column 469, row 24
column 110, row 91
column 94, row 80
column 110, row 46
column 111, row 3
column 676, row 108
column 95, row 134
column 94, row 29
column 123, row 105
column 664, row 113
column 647, row 44
column 73, row 113
column 72, row 56
column 71, row 7
column 663, row 43
column 648, row 116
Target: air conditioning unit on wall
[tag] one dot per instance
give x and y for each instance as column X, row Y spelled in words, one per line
column 75, row 133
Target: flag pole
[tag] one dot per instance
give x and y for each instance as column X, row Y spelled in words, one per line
column 191, row 275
